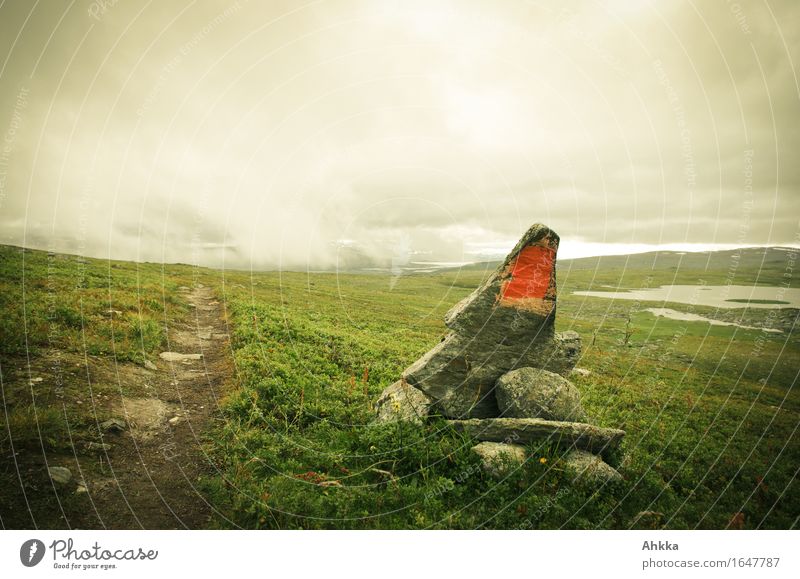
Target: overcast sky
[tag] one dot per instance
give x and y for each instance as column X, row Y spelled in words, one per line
column 284, row 133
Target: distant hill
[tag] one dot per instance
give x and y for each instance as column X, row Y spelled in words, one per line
column 744, row 258
column 768, row 262
column 751, row 265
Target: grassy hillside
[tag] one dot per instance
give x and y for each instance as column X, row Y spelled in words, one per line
column 746, row 266
column 63, row 308
column 74, row 335
column 710, row 412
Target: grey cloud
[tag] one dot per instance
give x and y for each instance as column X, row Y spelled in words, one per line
column 266, row 135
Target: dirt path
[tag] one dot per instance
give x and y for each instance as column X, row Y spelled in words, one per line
column 148, row 476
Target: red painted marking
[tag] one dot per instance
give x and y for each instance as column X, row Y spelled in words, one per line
column 530, row 274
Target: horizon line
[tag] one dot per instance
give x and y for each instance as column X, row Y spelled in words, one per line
column 621, row 250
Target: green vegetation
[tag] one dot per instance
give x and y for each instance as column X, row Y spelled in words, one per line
column 746, row 301
column 66, row 317
column 710, row 411
column 72, row 304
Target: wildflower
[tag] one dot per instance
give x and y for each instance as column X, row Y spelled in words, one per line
column 543, row 460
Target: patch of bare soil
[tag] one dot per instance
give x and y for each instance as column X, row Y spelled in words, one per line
column 142, row 470
column 153, row 465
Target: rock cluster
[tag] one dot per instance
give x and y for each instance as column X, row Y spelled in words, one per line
column 505, row 324
column 501, row 372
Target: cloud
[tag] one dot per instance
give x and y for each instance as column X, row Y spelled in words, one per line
column 263, row 135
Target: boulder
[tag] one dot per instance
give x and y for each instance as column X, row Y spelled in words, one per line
column 401, row 402
column 498, row 459
column 459, row 373
column 537, row 393
column 520, row 296
column 590, row 470
column 506, row 323
column 535, row 430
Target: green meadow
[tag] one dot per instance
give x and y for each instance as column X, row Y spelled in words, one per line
column 711, row 412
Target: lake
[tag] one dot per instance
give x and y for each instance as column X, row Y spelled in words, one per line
column 716, row 296
column 683, row 316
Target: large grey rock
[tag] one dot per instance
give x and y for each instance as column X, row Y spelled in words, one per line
column 506, row 323
column 528, row 430
column 520, row 296
column 459, row 373
column 401, row 402
column 537, row 393
column 590, row 470
column 498, row 459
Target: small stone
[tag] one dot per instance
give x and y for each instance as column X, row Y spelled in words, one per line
column 175, row 420
column 60, row 475
column 149, row 365
column 401, row 402
column 537, row 393
column 499, row 459
column 590, row 470
column 113, row 425
column 582, row 372
column 177, row 357
column 81, row 489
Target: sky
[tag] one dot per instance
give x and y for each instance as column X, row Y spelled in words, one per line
column 323, row 134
